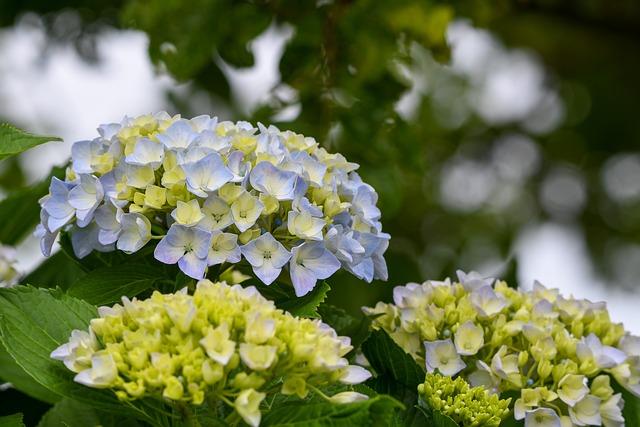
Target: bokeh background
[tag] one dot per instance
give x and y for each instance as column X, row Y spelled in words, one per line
column 502, row 137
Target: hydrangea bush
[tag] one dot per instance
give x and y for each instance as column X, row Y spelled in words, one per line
column 185, row 293
column 215, row 192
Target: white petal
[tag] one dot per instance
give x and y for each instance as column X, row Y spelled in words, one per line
column 354, row 374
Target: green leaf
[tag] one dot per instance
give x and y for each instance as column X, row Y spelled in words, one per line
column 387, row 357
column 70, row 413
column 397, row 374
column 20, row 212
column 373, row 412
column 14, row 420
column 411, row 415
column 14, row 141
column 442, row 420
column 11, row 372
column 631, row 410
column 33, row 323
column 57, row 270
column 512, row 422
column 337, row 318
column 307, row 306
column 436, row 418
column 113, row 420
column 357, row 329
column 283, row 295
column 108, row 284
column 97, row 259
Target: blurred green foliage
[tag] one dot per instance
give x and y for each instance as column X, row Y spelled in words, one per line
column 349, row 63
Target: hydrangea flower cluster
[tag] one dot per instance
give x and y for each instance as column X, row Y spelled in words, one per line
column 224, row 343
column 557, row 353
column 215, row 192
column 468, row 407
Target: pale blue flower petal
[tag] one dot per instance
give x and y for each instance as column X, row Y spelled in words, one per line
column 177, row 136
column 82, row 153
column 57, row 206
column 192, row 266
column 146, row 152
column 542, row 417
column 304, row 280
column 275, row 182
column 206, row 175
column 267, row 272
column 167, row 253
column 267, row 256
column 85, row 240
column 136, row 232
column 309, row 262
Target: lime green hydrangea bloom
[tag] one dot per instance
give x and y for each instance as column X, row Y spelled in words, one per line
column 469, row 407
column 224, row 343
column 191, row 183
column 557, row 353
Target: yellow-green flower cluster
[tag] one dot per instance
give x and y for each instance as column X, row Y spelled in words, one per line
column 557, row 353
column 469, row 407
column 208, row 189
column 223, row 344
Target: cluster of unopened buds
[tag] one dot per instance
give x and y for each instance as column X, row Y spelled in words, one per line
column 468, row 407
column 213, row 192
column 558, row 354
column 223, row 344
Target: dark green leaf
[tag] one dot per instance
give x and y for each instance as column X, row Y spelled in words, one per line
column 337, row 318
column 14, row 420
column 14, row 141
column 57, row 270
column 97, row 259
column 376, row 411
column 387, row 357
column 107, row 285
column 631, row 410
column 307, row 306
column 512, row 422
column 436, row 418
column 410, row 416
column 11, row 372
column 20, row 212
column 357, row 329
column 36, row 321
column 283, row 295
column 70, row 413
column 182, row 281
column 441, row 420
column 108, row 419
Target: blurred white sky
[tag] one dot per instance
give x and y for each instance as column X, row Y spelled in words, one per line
column 64, row 96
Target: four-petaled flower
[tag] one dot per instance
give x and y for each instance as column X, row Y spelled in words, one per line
column 267, row 256
column 309, row 262
column 442, row 355
column 187, row 246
